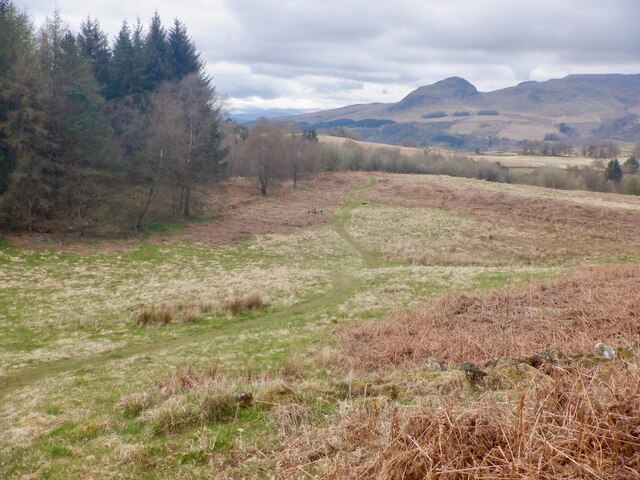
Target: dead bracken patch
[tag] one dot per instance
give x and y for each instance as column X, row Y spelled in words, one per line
column 242, row 215
column 596, row 304
column 583, row 424
column 495, row 205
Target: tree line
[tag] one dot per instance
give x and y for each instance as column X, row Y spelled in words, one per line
column 93, row 131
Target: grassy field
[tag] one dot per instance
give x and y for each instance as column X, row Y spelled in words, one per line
column 205, row 354
column 508, row 159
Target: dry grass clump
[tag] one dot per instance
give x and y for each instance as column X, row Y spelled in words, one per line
column 134, row 404
column 584, row 424
column 216, row 404
column 165, row 314
column 171, row 416
column 191, row 314
column 155, row 315
column 250, row 302
column 185, row 379
column 597, row 304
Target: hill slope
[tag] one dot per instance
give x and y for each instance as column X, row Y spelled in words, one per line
column 606, row 106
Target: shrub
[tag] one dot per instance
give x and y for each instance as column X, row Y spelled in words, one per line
column 631, row 185
column 435, row 115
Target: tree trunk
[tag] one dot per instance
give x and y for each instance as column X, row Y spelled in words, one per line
column 187, row 201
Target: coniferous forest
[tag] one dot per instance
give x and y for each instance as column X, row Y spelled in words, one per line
column 98, row 132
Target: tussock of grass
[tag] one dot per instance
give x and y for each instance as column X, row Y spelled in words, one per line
column 216, row 405
column 134, row 404
column 165, row 314
column 175, row 414
column 155, row 315
column 250, row 302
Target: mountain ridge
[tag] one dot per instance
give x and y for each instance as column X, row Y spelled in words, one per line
column 576, row 107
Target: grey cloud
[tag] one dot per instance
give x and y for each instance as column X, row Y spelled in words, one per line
column 384, row 49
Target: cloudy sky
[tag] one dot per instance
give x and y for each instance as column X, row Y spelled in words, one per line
column 313, row 54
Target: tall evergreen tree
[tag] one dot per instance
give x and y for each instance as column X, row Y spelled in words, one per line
column 94, row 45
column 76, row 121
column 614, row 170
column 156, row 51
column 122, row 61
column 139, row 61
column 24, row 139
column 184, row 58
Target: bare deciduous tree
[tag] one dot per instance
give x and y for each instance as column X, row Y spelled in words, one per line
column 185, row 128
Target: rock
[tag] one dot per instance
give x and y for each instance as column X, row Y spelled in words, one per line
column 244, row 399
column 552, row 354
column 602, row 350
column 472, row 372
column 432, row 365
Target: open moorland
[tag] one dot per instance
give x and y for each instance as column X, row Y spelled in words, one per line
column 361, row 326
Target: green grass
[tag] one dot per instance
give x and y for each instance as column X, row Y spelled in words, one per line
column 71, row 348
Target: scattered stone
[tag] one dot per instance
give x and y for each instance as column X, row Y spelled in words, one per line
column 432, row 365
column 602, row 350
column 244, row 399
column 472, row 372
column 552, row 354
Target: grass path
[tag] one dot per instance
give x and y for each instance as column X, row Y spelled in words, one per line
column 344, row 285
column 342, row 216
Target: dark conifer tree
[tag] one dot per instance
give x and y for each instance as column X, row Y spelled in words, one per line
column 121, row 75
column 184, row 58
column 24, row 139
column 77, row 122
column 94, row 45
column 156, row 52
column 139, row 60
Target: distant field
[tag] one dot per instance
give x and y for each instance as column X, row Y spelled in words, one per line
column 292, row 336
column 507, row 159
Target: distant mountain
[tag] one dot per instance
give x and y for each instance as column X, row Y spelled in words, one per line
column 252, row 114
column 454, row 112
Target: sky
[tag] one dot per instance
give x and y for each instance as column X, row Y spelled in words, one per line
column 315, row 55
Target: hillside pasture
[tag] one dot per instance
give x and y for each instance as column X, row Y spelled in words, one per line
column 283, row 335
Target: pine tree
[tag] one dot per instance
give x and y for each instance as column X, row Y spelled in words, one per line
column 184, row 58
column 94, row 45
column 614, row 170
column 156, row 52
column 122, row 61
column 77, row 122
column 139, row 60
column 24, row 139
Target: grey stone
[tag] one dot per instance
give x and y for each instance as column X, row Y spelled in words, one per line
column 244, row 399
column 473, row 373
column 604, row 351
column 552, row 354
column 432, row 364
